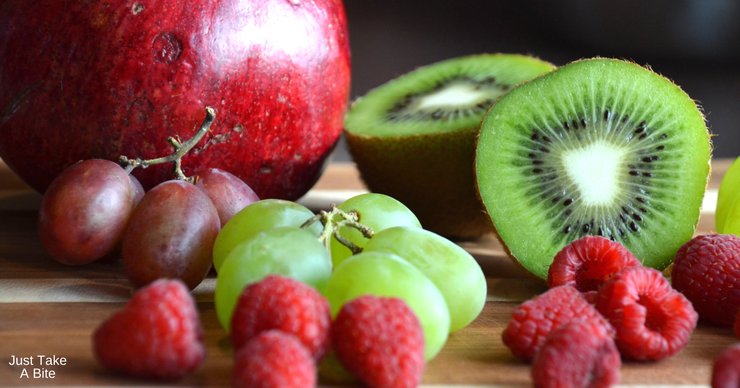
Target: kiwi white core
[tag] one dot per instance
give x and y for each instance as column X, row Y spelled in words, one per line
column 595, row 170
column 454, row 94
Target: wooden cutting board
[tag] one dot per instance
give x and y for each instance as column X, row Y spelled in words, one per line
column 51, row 309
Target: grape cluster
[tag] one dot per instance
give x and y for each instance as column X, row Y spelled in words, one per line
column 96, row 208
column 369, row 244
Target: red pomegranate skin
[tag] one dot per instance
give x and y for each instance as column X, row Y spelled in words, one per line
column 98, row 79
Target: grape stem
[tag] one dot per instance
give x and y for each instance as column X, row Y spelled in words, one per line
column 333, row 220
column 181, row 149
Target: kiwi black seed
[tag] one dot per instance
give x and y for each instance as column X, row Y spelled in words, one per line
column 597, row 147
column 413, row 138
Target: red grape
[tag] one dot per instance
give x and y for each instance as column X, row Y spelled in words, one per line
column 138, row 189
column 228, row 193
column 85, row 210
column 170, row 235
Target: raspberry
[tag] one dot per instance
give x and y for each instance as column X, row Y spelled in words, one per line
column 707, row 271
column 534, row 319
column 726, row 369
column 588, row 262
column 380, row 341
column 737, row 324
column 285, row 304
column 578, row 354
column 652, row 320
column 274, row 359
column 156, row 335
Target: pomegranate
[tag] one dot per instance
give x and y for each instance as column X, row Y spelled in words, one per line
column 99, row 79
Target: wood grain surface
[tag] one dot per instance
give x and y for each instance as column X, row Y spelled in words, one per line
column 51, row 309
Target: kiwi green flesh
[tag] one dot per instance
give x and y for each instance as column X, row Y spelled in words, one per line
column 725, row 201
column 731, row 221
column 597, row 147
column 445, row 96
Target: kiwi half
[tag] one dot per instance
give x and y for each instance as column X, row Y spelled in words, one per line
column 597, row 147
column 413, row 138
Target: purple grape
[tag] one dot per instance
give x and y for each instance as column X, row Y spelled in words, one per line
column 228, row 193
column 85, row 210
column 170, row 235
column 138, row 189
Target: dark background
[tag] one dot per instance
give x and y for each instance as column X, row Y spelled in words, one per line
column 695, row 43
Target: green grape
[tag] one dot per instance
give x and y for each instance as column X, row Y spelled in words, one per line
column 377, row 212
column 452, row 269
column 259, row 216
column 728, row 201
column 385, row 274
column 286, row 251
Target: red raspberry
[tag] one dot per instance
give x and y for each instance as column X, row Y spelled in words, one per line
column 588, row 262
column 737, row 324
column 726, row 369
column 707, row 271
column 380, row 341
column 282, row 303
column 274, row 359
column 534, row 319
column 652, row 320
column 578, row 354
column 156, row 335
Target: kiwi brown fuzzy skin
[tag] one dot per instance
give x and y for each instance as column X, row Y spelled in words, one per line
column 431, row 172
column 453, row 210
column 692, row 211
